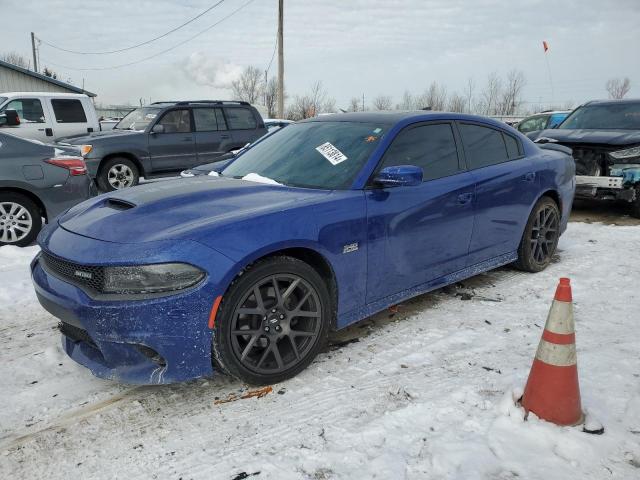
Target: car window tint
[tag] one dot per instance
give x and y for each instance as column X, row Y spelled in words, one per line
column 513, row 148
column 205, row 119
column 533, row 124
column 483, row 146
column 240, row 118
column 176, row 121
column 68, row 111
column 431, row 147
column 222, row 124
column 29, row 109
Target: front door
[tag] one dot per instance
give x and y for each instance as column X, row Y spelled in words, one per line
column 34, row 123
column 420, row 233
column 173, row 148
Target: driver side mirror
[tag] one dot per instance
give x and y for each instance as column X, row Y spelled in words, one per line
column 399, row 176
column 9, row 118
column 157, row 128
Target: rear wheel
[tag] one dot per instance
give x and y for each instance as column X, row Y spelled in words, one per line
column 117, row 173
column 272, row 322
column 20, row 220
column 540, row 237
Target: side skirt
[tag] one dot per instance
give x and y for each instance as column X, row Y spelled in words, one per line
column 353, row 316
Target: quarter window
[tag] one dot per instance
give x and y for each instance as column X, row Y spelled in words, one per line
column 513, row 146
column 431, row 147
column 68, row 111
column 240, row 118
column 176, row 121
column 29, row 109
column 483, row 146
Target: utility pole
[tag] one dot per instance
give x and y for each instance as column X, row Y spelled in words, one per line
column 280, row 60
column 33, row 49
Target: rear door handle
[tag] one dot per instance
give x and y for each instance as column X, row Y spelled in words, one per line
column 529, row 177
column 226, row 137
column 187, row 139
column 465, row 198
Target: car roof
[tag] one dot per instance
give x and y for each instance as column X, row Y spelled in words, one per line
column 628, row 101
column 42, row 94
column 391, row 117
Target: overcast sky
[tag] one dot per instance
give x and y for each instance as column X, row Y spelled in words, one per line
column 355, row 47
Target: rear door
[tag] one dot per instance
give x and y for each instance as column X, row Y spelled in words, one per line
column 243, row 125
column 174, row 148
column 35, row 120
column 212, row 137
column 69, row 117
column 506, row 187
column 419, row 233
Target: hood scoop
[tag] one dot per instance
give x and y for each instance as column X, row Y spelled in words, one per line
column 118, row 204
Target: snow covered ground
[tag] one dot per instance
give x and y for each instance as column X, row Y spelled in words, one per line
column 426, row 392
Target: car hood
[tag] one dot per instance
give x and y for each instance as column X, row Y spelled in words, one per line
column 185, row 209
column 595, row 137
column 98, row 136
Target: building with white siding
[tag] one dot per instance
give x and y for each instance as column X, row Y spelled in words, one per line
column 18, row 79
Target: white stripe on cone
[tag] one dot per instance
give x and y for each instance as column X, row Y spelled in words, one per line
column 560, row 318
column 557, row 355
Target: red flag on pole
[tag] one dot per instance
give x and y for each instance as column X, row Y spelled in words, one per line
column 545, row 45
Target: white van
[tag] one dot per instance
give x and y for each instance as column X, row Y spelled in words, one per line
column 48, row 116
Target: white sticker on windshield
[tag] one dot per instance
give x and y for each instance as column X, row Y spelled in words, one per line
column 331, row 153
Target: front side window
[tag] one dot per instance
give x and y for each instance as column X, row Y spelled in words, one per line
column 68, row 111
column 607, row 116
column 431, row 147
column 29, row 109
column 483, row 146
column 176, row 121
column 240, row 118
column 326, row 155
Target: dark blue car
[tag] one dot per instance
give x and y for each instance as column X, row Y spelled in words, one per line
column 333, row 219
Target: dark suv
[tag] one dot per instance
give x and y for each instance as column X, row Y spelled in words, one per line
column 166, row 137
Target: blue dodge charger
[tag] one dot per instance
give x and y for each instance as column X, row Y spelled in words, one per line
column 322, row 225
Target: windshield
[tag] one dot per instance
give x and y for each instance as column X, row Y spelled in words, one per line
column 624, row 116
column 326, row 155
column 137, row 119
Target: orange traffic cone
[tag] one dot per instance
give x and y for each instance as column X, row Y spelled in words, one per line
column 552, row 390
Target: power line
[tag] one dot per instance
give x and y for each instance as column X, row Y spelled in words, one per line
column 113, row 67
column 139, row 44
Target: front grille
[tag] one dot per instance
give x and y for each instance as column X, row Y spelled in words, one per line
column 82, row 275
column 76, row 334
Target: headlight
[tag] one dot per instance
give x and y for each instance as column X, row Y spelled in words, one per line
column 165, row 277
column 86, row 149
column 628, row 153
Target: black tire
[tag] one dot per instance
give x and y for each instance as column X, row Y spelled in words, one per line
column 273, row 326
column 117, row 173
column 17, row 213
column 540, row 238
column 635, row 205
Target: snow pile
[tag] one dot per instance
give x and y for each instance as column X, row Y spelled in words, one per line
column 428, row 392
column 254, row 177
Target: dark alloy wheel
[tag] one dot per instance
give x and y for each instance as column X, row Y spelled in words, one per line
column 272, row 322
column 540, row 237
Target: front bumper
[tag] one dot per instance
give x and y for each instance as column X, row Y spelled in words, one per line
column 154, row 341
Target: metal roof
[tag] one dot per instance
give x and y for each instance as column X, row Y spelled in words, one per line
column 39, row 76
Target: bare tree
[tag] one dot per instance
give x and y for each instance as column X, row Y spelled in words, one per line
column 15, row 58
column 248, row 86
column 510, row 95
column 618, row 87
column 382, row 102
column 354, row 104
column 434, row 97
column 490, row 95
column 471, row 86
column 313, row 103
column 407, row 102
column 457, row 103
column 271, row 96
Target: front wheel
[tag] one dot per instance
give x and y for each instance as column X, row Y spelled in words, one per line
column 540, row 238
column 117, row 173
column 272, row 322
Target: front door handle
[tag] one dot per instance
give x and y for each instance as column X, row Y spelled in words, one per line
column 187, row 139
column 529, row 177
column 465, row 198
column 225, row 137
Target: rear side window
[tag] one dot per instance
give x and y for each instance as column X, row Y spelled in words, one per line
column 431, row 147
column 68, row 111
column 240, row 119
column 483, row 146
column 29, row 109
column 206, row 120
